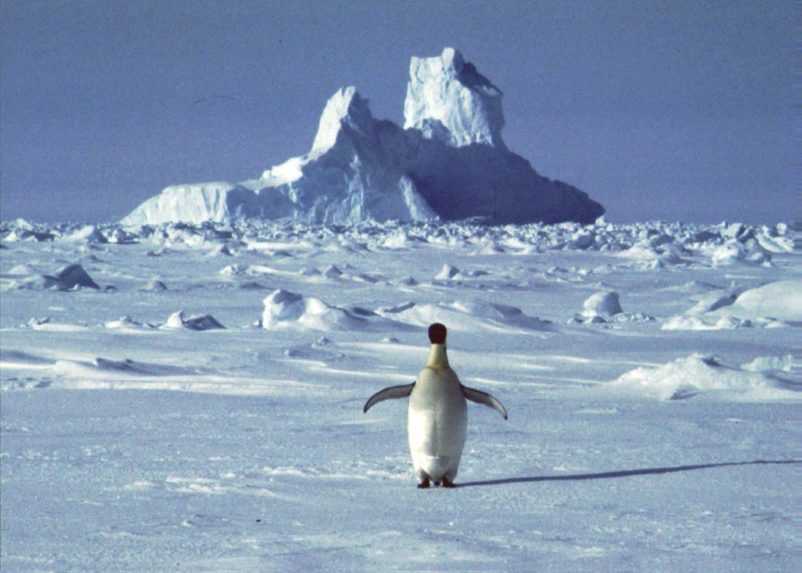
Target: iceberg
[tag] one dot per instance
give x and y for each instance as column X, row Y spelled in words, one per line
column 448, row 162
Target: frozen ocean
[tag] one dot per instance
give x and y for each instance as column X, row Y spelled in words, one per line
column 182, row 397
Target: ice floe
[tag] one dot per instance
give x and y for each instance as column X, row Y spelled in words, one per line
column 178, row 320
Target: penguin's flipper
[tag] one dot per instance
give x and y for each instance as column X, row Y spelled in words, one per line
column 389, row 393
column 484, row 398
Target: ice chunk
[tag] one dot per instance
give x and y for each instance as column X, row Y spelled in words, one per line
column 288, row 310
column 604, row 304
column 70, row 277
column 197, row 322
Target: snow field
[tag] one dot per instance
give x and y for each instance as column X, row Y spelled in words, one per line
column 130, row 445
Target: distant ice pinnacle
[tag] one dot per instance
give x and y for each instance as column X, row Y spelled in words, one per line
column 345, row 108
column 448, row 98
column 448, row 162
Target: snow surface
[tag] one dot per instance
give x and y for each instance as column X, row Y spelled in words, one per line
column 131, row 441
column 448, row 162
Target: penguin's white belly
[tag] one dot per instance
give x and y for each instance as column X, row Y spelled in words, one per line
column 437, row 423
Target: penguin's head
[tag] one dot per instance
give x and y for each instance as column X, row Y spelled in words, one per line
column 437, row 333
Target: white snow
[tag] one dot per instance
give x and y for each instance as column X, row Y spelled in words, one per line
column 687, row 377
column 780, row 300
column 196, row 322
column 770, row 305
column 128, row 446
column 604, row 304
column 284, row 309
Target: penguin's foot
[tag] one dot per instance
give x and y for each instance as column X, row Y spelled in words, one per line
column 448, row 483
column 424, row 484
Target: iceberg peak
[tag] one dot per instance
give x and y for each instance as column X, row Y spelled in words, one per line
column 345, row 108
column 452, row 60
column 448, row 99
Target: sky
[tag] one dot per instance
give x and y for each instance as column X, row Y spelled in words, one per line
column 676, row 110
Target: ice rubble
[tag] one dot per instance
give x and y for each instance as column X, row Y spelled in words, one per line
column 700, row 374
column 657, row 245
column 178, row 320
column 449, row 161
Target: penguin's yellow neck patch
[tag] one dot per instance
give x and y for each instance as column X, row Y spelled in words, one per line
column 438, row 358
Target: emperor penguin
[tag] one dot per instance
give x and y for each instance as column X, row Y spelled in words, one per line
column 437, row 416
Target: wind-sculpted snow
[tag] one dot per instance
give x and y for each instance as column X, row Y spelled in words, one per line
column 198, row 322
column 468, row 316
column 781, row 300
column 772, row 305
column 449, row 161
column 71, row 277
column 284, row 309
column 699, row 375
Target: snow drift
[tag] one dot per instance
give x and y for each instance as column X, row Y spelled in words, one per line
column 288, row 310
column 449, row 161
column 697, row 374
column 771, row 305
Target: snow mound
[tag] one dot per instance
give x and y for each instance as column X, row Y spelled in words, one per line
column 126, row 323
column 771, row 305
column 154, row 285
column 70, row 277
column 449, row 162
column 781, row 300
column 177, row 320
column 770, row 363
column 88, row 234
column 100, row 372
column 735, row 251
column 699, row 374
column 605, row 307
column 713, row 301
column 712, row 322
column 288, row 310
column 468, row 316
column 447, row 273
column 604, row 304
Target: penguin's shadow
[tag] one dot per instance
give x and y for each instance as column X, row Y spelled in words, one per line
column 624, row 473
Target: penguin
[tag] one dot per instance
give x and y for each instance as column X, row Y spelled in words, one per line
column 437, row 417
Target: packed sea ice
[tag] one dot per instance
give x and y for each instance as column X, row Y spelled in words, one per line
column 189, row 397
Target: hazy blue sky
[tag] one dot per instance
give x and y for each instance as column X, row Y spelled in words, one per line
column 658, row 109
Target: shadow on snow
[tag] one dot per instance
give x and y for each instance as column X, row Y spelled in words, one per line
column 625, row 473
